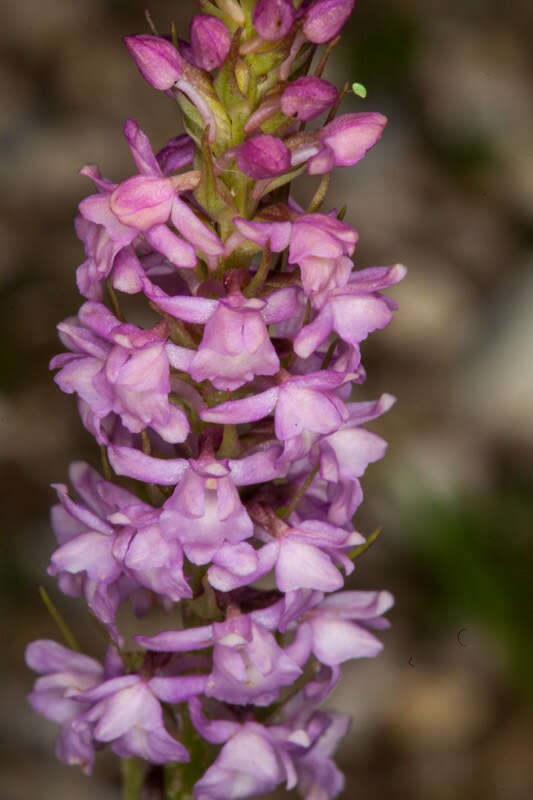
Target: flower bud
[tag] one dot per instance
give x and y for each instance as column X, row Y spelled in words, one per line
column 263, row 156
column 325, row 19
column 142, row 201
column 158, row 61
column 210, row 41
column 351, row 135
column 178, row 153
column 273, row 19
column 308, row 97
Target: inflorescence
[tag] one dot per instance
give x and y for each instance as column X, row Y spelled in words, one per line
column 231, row 451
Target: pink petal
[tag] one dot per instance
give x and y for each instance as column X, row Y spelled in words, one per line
column 131, row 462
column 258, row 467
column 249, row 409
column 336, row 640
column 302, row 566
column 141, row 149
column 178, row 689
column 190, row 309
column 282, row 305
column 171, row 246
column 96, row 209
column 194, row 230
column 311, row 336
column 178, row 641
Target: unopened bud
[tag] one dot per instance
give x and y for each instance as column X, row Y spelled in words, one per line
column 308, row 97
column 263, row 156
column 325, row 19
column 210, row 41
column 159, row 62
column 273, row 19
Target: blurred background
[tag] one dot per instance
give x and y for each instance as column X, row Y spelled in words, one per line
column 445, row 712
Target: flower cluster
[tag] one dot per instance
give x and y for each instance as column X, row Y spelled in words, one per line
column 232, row 451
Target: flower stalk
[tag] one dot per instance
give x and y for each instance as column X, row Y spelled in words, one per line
column 231, row 447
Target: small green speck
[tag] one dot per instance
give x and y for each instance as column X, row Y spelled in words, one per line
column 359, row 89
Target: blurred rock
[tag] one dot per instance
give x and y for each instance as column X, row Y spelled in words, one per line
column 495, row 388
column 438, row 711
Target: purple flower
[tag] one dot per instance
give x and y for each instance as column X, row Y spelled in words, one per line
column 303, row 556
column 334, row 628
column 64, row 675
column 235, row 345
column 301, row 403
column 346, row 140
column 320, row 244
column 295, row 750
column 205, row 510
column 247, row 765
column 210, row 41
column 145, row 202
column 126, row 712
column 318, row 775
column 353, row 311
column 110, row 544
column 117, row 367
column 158, row 61
column 344, row 456
column 248, row 664
column 263, row 156
column 325, row 18
column 273, row 19
column 308, row 97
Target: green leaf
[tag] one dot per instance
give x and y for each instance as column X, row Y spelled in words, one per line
column 211, row 192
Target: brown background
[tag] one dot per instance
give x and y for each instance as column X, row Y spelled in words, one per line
column 448, row 191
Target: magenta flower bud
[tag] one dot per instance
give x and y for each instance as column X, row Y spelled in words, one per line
column 273, row 19
column 351, row 135
column 210, row 41
column 325, row 19
column 159, row 62
column 142, row 201
column 263, row 156
column 178, row 153
column 308, row 97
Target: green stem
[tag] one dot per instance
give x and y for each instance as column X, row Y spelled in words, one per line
column 230, row 447
column 106, row 468
column 256, row 284
column 329, row 354
column 146, row 446
column 325, row 55
column 132, row 778
column 59, row 620
column 358, row 551
column 320, row 194
column 285, row 511
column 178, row 332
column 335, row 108
column 114, row 301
